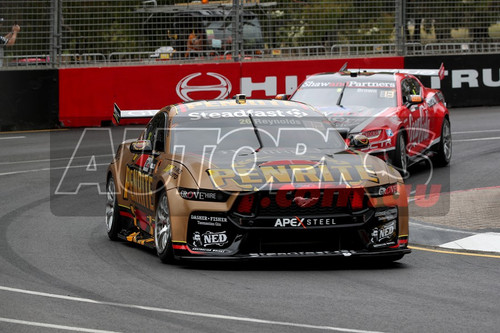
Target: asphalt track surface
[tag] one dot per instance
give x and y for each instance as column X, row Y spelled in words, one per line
column 60, row 272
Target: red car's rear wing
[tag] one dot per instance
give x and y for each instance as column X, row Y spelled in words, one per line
column 417, row 72
column 131, row 114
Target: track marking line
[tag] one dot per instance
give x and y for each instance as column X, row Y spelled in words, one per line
column 478, row 139
column 54, row 159
column 483, row 131
column 11, row 137
column 36, row 131
column 60, row 327
column 454, row 252
column 442, row 229
column 186, row 313
column 48, row 169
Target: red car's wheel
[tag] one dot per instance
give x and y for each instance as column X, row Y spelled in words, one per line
column 400, row 157
column 444, row 149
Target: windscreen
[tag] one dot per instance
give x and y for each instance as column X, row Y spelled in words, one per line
column 370, row 94
column 252, row 131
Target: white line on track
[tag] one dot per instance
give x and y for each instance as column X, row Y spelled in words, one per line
column 425, row 226
column 48, row 169
column 478, row 139
column 480, row 131
column 185, row 313
column 59, row 327
column 11, row 137
column 55, row 159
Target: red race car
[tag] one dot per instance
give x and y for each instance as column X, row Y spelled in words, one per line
column 404, row 120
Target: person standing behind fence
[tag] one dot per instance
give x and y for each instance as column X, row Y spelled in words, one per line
column 9, row 39
column 194, row 44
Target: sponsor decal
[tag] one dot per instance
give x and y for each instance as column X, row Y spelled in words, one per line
column 304, row 222
column 345, row 253
column 245, row 113
column 202, row 195
column 210, row 238
column 383, row 235
column 173, row 171
column 213, row 221
column 148, row 165
column 138, row 188
column 419, row 129
column 349, row 84
column 184, row 88
column 334, row 171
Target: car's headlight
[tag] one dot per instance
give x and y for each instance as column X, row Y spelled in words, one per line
column 372, row 134
column 202, row 195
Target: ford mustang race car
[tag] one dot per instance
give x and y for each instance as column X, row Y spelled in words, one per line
column 405, row 121
column 249, row 179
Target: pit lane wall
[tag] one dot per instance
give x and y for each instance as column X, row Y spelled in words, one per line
column 75, row 97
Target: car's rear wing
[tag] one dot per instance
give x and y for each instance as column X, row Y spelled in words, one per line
column 417, row 72
column 118, row 114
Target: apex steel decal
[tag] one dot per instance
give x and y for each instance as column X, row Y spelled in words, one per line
column 184, row 88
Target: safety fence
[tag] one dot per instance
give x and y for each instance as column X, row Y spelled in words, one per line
column 66, row 33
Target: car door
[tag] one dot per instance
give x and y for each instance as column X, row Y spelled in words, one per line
column 142, row 168
column 418, row 116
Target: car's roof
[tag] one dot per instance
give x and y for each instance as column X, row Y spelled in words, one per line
column 231, row 108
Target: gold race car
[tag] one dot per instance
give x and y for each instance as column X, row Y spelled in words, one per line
column 249, row 179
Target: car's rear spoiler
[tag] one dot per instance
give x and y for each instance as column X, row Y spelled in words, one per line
column 131, row 114
column 417, row 72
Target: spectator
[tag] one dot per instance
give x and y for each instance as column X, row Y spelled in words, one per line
column 9, row 39
column 194, row 44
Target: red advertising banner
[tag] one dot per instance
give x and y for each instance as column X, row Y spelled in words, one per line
column 87, row 95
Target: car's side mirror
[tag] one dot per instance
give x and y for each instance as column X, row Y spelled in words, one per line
column 414, row 99
column 141, row 147
column 283, row 97
column 359, row 141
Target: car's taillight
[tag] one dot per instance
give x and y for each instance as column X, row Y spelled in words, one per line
column 245, row 204
column 356, row 197
column 383, row 190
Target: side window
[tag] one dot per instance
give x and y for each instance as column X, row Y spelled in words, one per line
column 155, row 131
column 409, row 87
column 405, row 90
column 414, row 87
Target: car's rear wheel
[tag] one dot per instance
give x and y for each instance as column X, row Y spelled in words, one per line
column 443, row 156
column 400, row 157
column 163, row 230
column 113, row 220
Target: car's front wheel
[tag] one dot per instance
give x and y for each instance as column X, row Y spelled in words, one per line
column 113, row 220
column 443, row 156
column 400, row 157
column 163, row 230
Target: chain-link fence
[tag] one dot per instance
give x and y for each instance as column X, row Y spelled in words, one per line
column 61, row 33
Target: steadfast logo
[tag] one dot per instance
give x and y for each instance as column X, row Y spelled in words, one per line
column 245, row 113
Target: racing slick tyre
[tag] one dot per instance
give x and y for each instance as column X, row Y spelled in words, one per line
column 113, row 220
column 444, row 149
column 400, row 158
column 163, row 230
